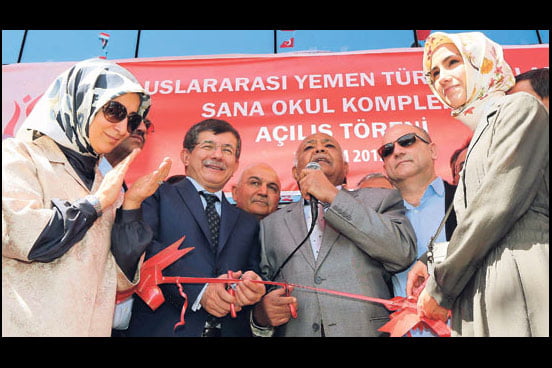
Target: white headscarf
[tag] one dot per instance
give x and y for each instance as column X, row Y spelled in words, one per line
column 65, row 111
column 488, row 76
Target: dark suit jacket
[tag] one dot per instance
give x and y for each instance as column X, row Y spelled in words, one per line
column 173, row 211
column 450, row 225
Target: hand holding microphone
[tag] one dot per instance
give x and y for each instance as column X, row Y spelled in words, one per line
column 314, row 202
column 310, row 178
column 314, row 184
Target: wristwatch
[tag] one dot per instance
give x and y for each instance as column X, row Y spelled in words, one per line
column 95, row 202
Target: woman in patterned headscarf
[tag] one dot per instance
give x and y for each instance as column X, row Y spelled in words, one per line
column 495, row 275
column 60, row 268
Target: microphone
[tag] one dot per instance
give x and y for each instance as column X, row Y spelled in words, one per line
column 313, row 165
column 314, row 202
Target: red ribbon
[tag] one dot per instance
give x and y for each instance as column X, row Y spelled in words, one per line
column 401, row 321
column 183, row 294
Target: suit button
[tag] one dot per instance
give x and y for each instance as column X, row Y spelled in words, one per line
column 318, row 280
column 315, row 327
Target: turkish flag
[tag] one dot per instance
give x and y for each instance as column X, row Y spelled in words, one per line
column 288, row 43
column 422, row 35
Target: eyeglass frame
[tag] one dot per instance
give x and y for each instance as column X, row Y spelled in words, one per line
column 214, row 146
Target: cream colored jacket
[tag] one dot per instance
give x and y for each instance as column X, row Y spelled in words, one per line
column 73, row 295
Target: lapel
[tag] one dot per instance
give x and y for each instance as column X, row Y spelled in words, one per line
column 228, row 219
column 450, row 224
column 192, row 201
column 297, row 228
column 54, row 154
column 328, row 240
column 480, row 129
column 476, row 136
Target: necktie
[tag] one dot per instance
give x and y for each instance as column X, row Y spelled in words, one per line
column 213, row 218
column 318, row 231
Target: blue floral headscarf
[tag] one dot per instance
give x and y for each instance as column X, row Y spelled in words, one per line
column 487, row 73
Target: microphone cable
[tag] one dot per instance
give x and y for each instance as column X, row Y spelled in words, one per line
column 313, row 223
column 314, row 218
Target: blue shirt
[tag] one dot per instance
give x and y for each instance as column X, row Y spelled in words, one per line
column 104, row 166
column 425, row 220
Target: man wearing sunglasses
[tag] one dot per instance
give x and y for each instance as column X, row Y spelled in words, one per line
column 136, row 139
column 409, row 156
column 137, row 126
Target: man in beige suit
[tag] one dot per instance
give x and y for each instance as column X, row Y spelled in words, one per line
column 363, row 239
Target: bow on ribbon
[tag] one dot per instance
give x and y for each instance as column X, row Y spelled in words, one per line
column 402, row 320
column 406, row 318
column 151, row 275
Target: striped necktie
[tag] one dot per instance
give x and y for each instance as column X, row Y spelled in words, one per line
column 213, row 218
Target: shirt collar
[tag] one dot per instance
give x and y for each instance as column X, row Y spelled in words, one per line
column 438, row 186
column 200, row 188
column 435, row 188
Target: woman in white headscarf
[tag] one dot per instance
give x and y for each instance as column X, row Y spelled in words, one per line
column 495, row 275
column 60, row 267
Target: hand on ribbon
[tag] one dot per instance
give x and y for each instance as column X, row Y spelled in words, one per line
column 426, row 305
column 249, row 292
column 417, row 277
column 274, row 309
column 217, row 301
column 429, row 308
column 277, row 307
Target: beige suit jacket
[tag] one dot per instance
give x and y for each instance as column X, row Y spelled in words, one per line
column 73, row 295
column 496, row 272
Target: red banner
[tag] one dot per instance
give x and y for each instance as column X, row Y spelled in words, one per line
column 277, row 100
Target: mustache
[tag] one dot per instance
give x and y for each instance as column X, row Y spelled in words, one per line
column 321, row 158
column 214, row 164
column 261, row 199
column 138, row 135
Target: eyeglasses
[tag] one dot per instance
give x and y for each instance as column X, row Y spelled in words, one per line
column 404, row 141
column 150, row 128
column 116, row 112
column 142, row 133
column 210, row 146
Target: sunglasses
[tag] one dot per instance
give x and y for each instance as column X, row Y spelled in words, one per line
column 116, row 112
column 150, row 128
column 142, row 133
column 404, row 141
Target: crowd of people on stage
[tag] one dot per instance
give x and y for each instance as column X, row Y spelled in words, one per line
column 472, row 253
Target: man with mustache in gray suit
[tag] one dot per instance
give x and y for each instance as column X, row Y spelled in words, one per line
column 363, row 238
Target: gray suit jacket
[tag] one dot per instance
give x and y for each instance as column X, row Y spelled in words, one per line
column 495, row 276
column 367, row 238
